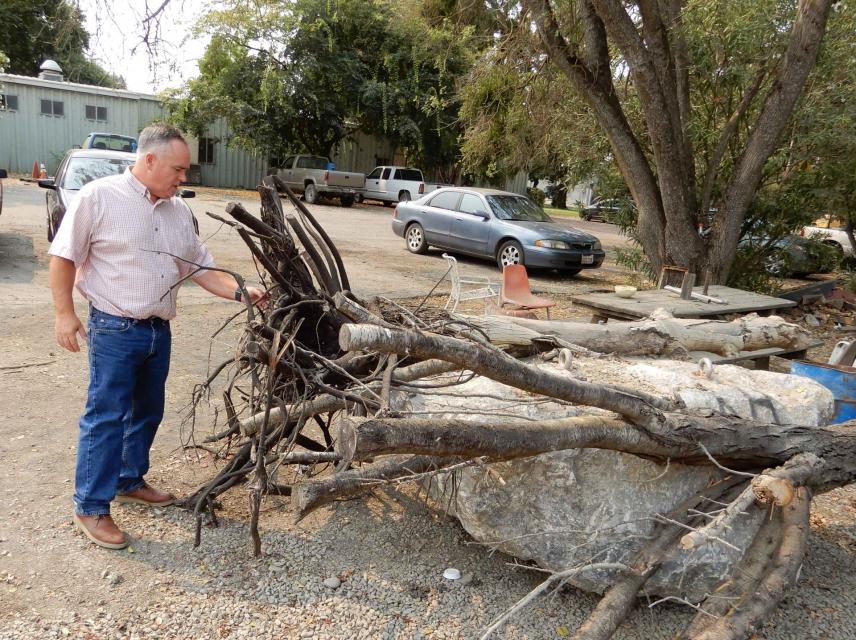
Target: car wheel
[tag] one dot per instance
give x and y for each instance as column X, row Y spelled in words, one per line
column 347, row 201
column 839, row 250
column 404, row 196
column 415, row 238
column 509, row 253
column 310, row 194
column 387, row 203
column 360, row 198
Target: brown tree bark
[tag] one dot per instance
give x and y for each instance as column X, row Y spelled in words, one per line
column 663, row 183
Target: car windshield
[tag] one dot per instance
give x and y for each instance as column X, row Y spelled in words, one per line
column 517, row 208
column 83, row 170
column 113, row 143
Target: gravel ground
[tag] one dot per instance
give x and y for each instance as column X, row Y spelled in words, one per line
column 365, row 568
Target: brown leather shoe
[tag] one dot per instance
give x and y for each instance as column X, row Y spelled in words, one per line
column 147, row 495
column 102, row 531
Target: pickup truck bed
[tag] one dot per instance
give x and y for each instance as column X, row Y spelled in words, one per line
column 313, row 177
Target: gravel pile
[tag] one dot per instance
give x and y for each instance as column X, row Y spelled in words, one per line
column 361, row 569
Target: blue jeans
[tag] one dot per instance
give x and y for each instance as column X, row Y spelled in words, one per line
column 128, row 366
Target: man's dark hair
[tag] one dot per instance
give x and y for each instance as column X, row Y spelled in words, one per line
column 156, row 136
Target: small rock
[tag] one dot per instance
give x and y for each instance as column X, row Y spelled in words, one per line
column 466, row 579
column 114, row 579
column 837, row 303
column 810, row 320
column 332, row 583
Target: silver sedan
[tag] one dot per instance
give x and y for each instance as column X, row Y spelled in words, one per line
column 502, row 226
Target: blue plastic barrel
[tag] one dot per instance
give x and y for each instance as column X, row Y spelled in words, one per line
column 838, row 379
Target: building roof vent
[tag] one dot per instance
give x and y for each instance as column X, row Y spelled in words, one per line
column 50, row 70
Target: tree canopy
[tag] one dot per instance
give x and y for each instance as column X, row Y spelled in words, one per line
column 34, row 30
column 301, row 76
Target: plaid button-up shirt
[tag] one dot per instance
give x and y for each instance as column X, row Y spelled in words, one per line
column 128, row 251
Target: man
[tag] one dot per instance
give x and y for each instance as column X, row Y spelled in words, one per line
column 122, row 243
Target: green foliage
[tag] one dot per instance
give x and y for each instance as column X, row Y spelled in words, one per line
column 536, row 195
column 33, row 30
column 303, row 75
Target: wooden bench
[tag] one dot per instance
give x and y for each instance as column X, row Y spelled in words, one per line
column 606, row 305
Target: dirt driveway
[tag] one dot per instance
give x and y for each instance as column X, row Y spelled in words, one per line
column 387, row 553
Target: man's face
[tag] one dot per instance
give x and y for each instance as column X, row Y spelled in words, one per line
column 165, row 169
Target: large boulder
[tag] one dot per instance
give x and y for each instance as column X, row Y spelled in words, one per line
column 579, row 507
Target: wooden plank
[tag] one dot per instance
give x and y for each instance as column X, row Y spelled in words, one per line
column 796, row 294
column 644, row 303
column 759, row 354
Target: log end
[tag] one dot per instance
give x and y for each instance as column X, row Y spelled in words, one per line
column 305, row 498
column 776, row 490
column 345, row 335
column 346, row 439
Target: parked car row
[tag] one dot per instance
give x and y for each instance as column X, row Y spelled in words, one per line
column 316, row 176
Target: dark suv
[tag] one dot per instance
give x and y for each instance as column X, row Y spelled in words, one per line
column 605, row 210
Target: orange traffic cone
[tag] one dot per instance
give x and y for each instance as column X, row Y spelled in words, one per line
column 43, row 173
column 35, row 172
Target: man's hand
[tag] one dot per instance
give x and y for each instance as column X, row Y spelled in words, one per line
column 67, row 328
column 259, row 297
column 224, row 285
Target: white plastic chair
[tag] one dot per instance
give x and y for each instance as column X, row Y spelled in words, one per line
column 470, row 288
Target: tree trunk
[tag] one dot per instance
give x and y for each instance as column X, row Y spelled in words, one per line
column 788, row 82
column 663, row 181
column 658, row 334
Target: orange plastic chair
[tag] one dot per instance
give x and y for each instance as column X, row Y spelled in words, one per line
column 515, row 290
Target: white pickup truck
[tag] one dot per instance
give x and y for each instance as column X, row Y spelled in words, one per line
column 314, row 177
column 829, row 230
column 396, row 184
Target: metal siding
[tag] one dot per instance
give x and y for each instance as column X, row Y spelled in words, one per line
column 360, row 152
column 27, row 136
column 233, row 167
column 515, row 184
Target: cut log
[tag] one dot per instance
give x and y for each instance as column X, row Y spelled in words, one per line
column 747, row 618
column 661, row 333
column 744, row 578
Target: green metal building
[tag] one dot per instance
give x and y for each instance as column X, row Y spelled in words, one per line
column 42, row 118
